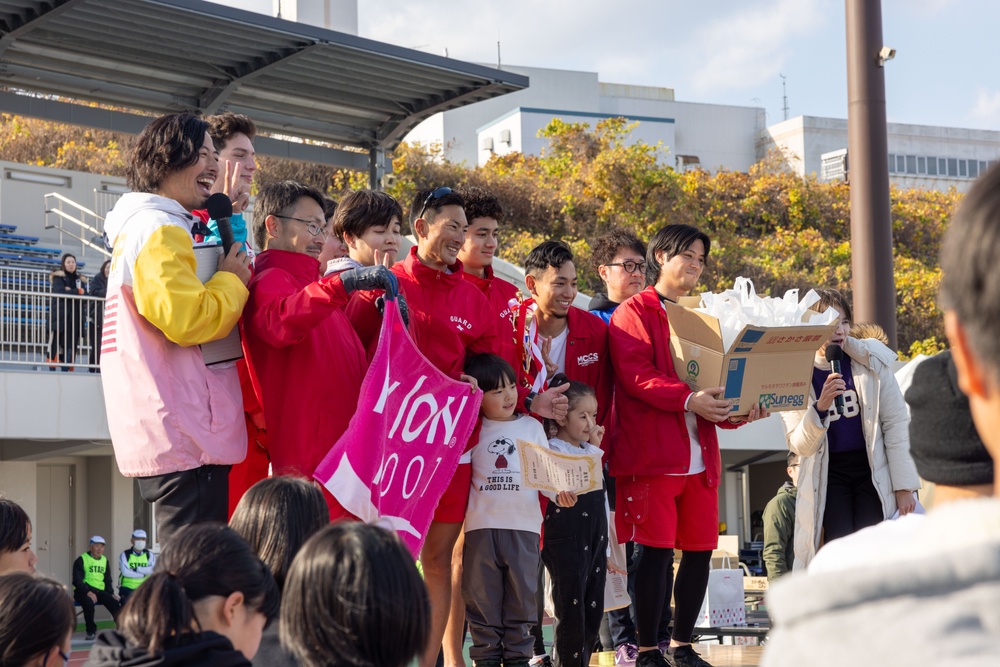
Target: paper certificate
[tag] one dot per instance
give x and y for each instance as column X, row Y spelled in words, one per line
column 546, row 470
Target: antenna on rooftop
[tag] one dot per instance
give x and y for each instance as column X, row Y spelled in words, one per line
column 498, row 54
column 784, row 95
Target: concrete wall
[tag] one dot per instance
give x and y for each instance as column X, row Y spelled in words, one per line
column 18, row 483
column 56, row 406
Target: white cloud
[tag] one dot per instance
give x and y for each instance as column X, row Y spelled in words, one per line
column 750, row 46
column 986, row 111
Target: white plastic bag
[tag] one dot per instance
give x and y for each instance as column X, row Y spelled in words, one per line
column 740, row 307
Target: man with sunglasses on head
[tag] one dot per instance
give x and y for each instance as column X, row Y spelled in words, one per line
column 298, row 338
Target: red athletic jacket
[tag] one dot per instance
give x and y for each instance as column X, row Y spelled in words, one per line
column 449, row 318
column 587, row 360
column 499, row 293
column 652, row 436
column 307, row 358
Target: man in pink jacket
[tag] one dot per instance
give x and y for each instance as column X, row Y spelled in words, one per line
column 176, row 423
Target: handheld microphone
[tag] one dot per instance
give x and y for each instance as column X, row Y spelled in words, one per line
column 220, row 209
column 834, row 354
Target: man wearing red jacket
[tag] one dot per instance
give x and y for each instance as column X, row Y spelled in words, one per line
column 304, row 352
column 484, row 213
column 572, row 340
column 666, row 455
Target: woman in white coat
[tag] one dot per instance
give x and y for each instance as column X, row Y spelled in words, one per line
column 856, row 468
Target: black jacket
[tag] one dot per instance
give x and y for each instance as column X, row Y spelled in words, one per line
column 206, row 649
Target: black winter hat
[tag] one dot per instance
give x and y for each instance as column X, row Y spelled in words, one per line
column 944, row 442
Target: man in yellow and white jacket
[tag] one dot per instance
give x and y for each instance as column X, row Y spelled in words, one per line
column 176, row 423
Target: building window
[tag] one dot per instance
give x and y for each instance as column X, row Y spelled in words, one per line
column 921, row 165
column 932, row 166
column 962, row 170
column 952, row 167
column 892, row 163
column 973, row 168
column 911, row 164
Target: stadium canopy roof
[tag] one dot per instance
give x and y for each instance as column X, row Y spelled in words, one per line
column 162, row 56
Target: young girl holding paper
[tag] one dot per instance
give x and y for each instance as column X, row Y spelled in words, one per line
column 575, row 545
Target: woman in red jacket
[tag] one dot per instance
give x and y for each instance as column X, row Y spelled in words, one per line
column 666, row 457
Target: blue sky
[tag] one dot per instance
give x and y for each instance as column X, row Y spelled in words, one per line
column 721, row 51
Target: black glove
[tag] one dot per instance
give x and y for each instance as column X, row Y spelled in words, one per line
column 404, row 310
column 369, row 278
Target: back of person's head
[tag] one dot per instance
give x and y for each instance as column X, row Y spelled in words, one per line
column 491, row 372
column 546, row 254
column 832, row 298
column 15, row 538
column 970, row 284
column 481, row 203
column 863, row 330
column 169, row 143
column 944, row 442
column 573, row 394
column 15, row 526
column 36, row 620
column 222, row 127
column 199, row 561
column 276, row 516
column 277, row 199
column 329, row 207
column 428, row 203
column 608, row 245
column 354, row 597
column 668, row 242
column 363, row 209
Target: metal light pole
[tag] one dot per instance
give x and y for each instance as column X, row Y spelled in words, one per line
column 868, row 148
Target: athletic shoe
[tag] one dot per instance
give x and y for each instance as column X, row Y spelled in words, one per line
column 685, row 656
column 664, row 647
column 90, row 637
column 540, row 661
column 625, row 655
column 651, row 659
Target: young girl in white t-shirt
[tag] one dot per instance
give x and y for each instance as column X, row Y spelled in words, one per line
column 574, row 548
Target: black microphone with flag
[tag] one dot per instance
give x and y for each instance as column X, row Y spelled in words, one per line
column 834, row 353
column 220, row 209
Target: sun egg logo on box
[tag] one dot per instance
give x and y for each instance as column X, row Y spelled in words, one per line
column 693, row 369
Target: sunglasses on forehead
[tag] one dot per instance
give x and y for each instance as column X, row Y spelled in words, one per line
column 433, row 197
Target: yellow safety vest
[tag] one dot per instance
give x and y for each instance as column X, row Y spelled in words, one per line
column 93, row 570
column 134, row 560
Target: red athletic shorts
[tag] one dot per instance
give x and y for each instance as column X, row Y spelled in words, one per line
column 451, row 508
column 668, row 511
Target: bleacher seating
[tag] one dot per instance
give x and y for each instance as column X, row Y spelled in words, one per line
column 24, row 251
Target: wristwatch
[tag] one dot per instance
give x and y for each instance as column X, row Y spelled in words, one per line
column 529, row 399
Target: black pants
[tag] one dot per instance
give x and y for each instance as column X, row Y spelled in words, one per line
column 123, row 594
column 621, row 622
column 852, row 503
column 186, row 497
column 575, row 554
column 103, row 597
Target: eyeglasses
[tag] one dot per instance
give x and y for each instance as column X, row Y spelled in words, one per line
column 433, row 197
column 312, row 227
column 630, row 266
column 63, row 656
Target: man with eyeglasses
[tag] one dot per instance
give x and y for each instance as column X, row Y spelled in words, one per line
column 301, row 345
column 620, row 259
column 779, row 524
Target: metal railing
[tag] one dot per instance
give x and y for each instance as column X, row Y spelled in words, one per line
column 78, row 222
column 49, row 331
column 104, row 201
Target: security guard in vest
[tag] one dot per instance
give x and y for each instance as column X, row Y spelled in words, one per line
column 92, row 584
column 135, row 565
